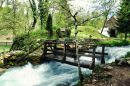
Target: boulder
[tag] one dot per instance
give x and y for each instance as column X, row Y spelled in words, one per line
column 128, row 63
column 88, row 85
column 128, row 58
column 108, row 74
column 122, row 62
column 117, row 60
column 107, row 67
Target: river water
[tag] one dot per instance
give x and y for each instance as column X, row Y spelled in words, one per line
column 54, row 73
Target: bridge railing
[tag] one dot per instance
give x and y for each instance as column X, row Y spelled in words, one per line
column 69, row 49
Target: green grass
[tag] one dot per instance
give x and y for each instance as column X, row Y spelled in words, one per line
column 86, row 31
column 114, row 42
column 6, row 48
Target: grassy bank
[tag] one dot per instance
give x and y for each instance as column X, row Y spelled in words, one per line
column 87, row 32
column 115, row 42
column 4, row 48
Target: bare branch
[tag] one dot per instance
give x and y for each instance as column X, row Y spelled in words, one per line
column 64, row 8
column 90, row 19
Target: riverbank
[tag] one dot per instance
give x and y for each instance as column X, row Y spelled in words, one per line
column 2, row 70
column 120, row 77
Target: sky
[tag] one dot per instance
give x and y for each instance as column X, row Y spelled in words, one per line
column 87, row 5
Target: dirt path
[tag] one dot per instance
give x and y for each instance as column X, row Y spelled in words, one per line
column 120, row 77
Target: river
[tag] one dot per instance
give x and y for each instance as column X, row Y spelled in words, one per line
column 54, row 73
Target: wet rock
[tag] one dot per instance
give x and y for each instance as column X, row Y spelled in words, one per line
column 122, row 62
column 2, row 70
column 117, row 60
column 128, row 63
column 88, row 85
column 128, row 58
column 94, row 81
column 107, row 74
column 107, row 67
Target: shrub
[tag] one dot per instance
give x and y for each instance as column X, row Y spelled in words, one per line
column 49, row 25
column 59, row 33
column 67, row 32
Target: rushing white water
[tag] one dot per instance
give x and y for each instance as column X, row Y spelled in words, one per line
column 113, row 52
column 47, row 74
column 54, row 73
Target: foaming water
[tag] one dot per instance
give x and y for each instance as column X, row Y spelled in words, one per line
column 113, row 52
column 54, row 73
column 47, row 74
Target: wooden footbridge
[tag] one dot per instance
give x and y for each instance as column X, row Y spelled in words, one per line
column 65, row 52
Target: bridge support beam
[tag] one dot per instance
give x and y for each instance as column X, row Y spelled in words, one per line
column 64, row 57
column 93, row 58
column 102, row 58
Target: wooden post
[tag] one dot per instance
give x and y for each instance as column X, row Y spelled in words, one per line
column 6, row 43
column 64, row 57
column 93, row 58
column 75, row 57
column 102, row 58
column 55, row 48
column 45, row 52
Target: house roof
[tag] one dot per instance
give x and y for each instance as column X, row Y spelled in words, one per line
column 111, row 23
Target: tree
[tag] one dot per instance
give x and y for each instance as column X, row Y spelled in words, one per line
column 43, row 8
column 49, row 25
column 34, row 10
column 73, row 15
column 108, row 7
column 123, row 21
column 1, row 3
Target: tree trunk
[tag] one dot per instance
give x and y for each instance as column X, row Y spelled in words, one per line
column 104, row 24
column 33, row 7
column 125, row 34
column 40, row 7
column 77, row 55
column 14, row 24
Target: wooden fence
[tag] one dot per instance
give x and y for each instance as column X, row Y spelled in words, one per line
column 6, row 43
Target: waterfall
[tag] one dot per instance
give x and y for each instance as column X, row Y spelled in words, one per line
column 54, row 73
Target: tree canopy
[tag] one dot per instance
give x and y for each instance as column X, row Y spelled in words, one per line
column 123, row 21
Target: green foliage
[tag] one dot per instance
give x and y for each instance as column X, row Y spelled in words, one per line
column 123, row 21
column 49, row 25
column 11, row 63
column 98, row 69
column 19, row 54
column 112, row 43
column 79, row 83
column 112, row 64
column 86, row 31
column 127, row 55
column 6, row 48
column 1, row 64
column 59, row 33
column 67, row 33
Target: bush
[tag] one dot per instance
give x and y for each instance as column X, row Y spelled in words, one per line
column 67, row 32
column 114, row 43
column 59, row 33
column 49, row 25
